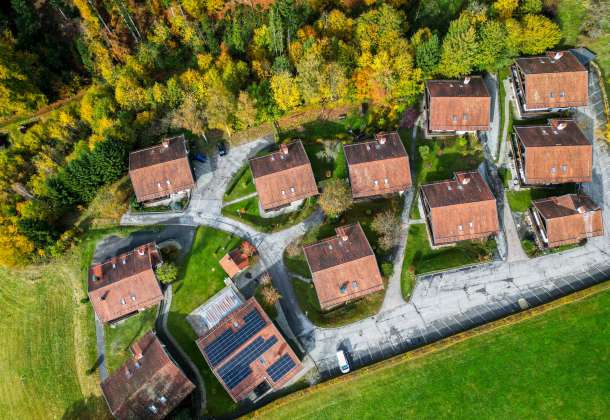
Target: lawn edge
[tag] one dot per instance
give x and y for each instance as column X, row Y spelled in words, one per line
column 443, row 343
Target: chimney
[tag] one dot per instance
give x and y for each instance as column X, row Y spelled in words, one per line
column 581, row 210
column 284, row 148
column 465, row 180
column 137, row 351
column 141, row 251
column 558, row 55
column 381, row 138
column 165, row 143
column 466, row 80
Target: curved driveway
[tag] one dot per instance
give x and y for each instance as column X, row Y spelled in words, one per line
column 441, row 304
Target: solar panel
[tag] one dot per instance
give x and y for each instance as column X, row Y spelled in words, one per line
column 281, row 367
column 228, row 341
column 238, row 368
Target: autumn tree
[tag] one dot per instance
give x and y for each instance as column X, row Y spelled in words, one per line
column 190, row 116
column 271, row 295
column 460, row 48
column 387, row 225
column 539, row 34
column 504, row 9
column 427, row 50
column 492, row 51
column 336, row 197
column 246, row 110
column 285, row 91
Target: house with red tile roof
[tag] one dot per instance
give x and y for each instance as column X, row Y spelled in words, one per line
column 125, row 285
column 378, row 167
column 556, row 80
column 343, row 267
column 237, row 260
column 283, row 177
column 148, row 386
column 247, row 353
column 458, row 209
column 567, row 219
column 555, row 153
column 163, row 172
column 457, row 105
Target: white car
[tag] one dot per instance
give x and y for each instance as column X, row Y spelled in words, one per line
column 343, row 363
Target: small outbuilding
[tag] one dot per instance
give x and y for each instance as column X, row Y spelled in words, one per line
column 238, row 259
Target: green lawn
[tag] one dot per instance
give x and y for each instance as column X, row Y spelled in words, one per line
column 241, row 184
column 520, row 201
column 308, row 301
column 246, row 211
column 120, row 337
column 48, row 358
column 199, row 279
column 445, row 156
column 550, row 366
column 421, row 259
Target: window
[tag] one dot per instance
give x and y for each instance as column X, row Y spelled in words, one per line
column 544, row 132
column 385, row 181
column 162, row 399
column 355, row 285
column 553, row 170
column 153, row 409
column 471, row 225
column 283, row 192
column 122, row 301
column 343, row 288
column 292, row 190
column 460, row 228
column 564, row 168
column 454, row 118
column 465, row 117
column 552, row 95
column 375, row 182
column 562, row 94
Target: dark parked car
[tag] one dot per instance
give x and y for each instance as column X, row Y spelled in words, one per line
column 201, row 157
column 222, row 149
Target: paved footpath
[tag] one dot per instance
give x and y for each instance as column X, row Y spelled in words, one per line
column 441, row 304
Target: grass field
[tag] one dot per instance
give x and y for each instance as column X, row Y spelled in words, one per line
column 48, row 360
column 549, row 366
column 199, row 279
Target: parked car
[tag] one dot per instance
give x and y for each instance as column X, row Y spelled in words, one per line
column 222, row 149
column 200, row 157
column 343, row 363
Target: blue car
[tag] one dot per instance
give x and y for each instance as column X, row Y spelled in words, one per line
column 200, row 157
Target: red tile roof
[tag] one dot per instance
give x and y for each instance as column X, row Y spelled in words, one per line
column 460, row 209
column 244, row 351
column 556, row 80
column 284, row 176
column 148, row 386
column 234, row 262
column 378, row 167
column 125, row 284
column 569, row 218
column 161, row 170
column 556, row 153
column 454, row 105
column 343, row 267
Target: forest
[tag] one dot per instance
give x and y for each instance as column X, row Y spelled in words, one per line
column 147, row 68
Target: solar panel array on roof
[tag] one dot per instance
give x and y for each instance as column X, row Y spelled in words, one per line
column 228, row 341
column 281, row 367
column 238, row 368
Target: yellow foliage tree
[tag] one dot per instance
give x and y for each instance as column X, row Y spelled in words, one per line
column 539, row 34
column 285, row 91
column 505, row 8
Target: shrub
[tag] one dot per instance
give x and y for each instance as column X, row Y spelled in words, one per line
column 387, row 269
column 167, row 273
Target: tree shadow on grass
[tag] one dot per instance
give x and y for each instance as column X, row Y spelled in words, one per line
column 90, row 408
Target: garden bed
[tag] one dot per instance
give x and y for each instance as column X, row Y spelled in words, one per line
column 521, row 201
column 121, row 336
column 241, row 184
